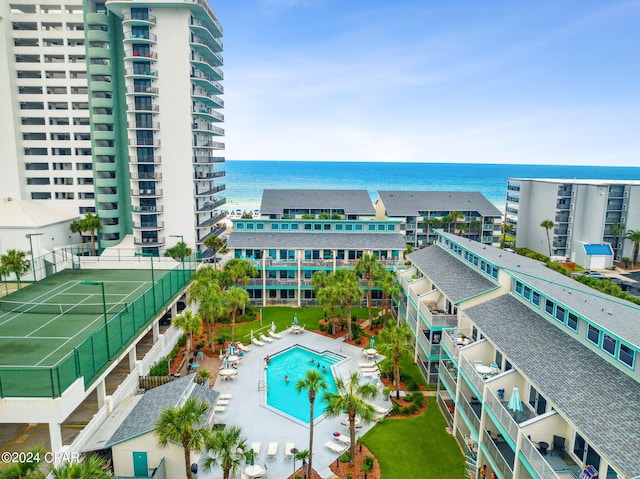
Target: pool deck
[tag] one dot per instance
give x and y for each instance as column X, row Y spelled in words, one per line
column 263, row 424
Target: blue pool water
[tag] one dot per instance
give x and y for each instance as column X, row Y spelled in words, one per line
column 295, row 362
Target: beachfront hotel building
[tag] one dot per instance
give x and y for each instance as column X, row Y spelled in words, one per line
column 114, row 108
column 490, row 324
column 417, row 208
column 585, row 214
column 287, row 249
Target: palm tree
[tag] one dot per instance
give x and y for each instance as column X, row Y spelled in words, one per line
column 347, row 291
column 314, row 383
column 617, row 230
column 463, row 228
column 214, row 243
column 394, row 341
column 91, row 467
column 189, row 323
column 633, row 236
column 76, row 227
column 327, row 297
column 367, row 267
column 319, row 280
column 386, row 281
column 179, row 425
column 91, row 223
column 179, row 252
column 13, row 261
column 352, row 397
column 211, row 303
column 454, row 217
column 225, row 448
column 238, row 269
column 25, row 469
column 236, row 298
column 505, row 228
column 547, row 225
column 475, row 227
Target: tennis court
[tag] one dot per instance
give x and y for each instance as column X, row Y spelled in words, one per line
column 56, row 330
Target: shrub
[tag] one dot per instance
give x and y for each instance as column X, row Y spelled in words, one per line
column 221, row 340
column 200, row 345
column 367, row 464
column 161, row 368
column 182, row 340
column 346, row 457
column 174, row 353
column 357, row 341
column 412, row 384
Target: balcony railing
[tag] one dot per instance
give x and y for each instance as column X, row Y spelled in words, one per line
column 148, row 241
column 499, row 462
column 208, row 111
column 139, row 17
column 147, row 209
column 446, row 342
column 471, row 373
column 141, row 36
column 468, row 411
column 138, row 72
column 536, row 460
column 146, row 175
column 147, row 192
column 146, row 107
column 142, row 125
column 132, row 53
column 142, row 89
column 502, row 414
column 148, row 224
column 143, row 142
column 145, row 159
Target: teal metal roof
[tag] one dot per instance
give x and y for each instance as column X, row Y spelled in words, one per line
column 598, row 249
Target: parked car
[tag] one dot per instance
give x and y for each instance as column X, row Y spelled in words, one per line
column 594, row 274
column 624, row 285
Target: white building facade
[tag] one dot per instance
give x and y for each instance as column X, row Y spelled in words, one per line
column 584, row 213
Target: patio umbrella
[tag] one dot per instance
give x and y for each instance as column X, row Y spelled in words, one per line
column 225, row 362
column 273, row 326
column 295, row 319
column 252, row 459
column 232, row 349
column 372, row 341
column 515, row 404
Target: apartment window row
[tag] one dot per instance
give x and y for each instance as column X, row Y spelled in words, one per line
column 604, row 340
column 55, row 121
column 57, row 152
column 480, row 264
column 41, row 195
column 342, row 227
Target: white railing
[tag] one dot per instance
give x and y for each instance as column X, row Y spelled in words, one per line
column 81, row 439
column 498, row 459
column 535, row 459
column 471, row 372
column 446, row 341
column 128, row 387
column 464, row 405
column 501, row 413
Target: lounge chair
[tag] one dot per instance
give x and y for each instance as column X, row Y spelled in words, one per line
column 265, row 339
column 225, row 396
column 344, row 439
column 370, row 370
column 337, row 448
column 275, row 335
column 256, row 342
column 371, row 364
column 288, row 454
column 243, row 348
column 219, row 409
column 272, row 451
column 222, row 402
column 370, row 374
column 255, row 446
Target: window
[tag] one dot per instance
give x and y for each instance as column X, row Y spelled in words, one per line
column 535, row 298
column 527, row 293
column 275, row 226
column 572, row 322
column 609, row 344
column 593, row 335
column 371, row 227
column 391, row 227
column 560, row 314
column 548, row 307
column 626, row 355
column 358, row 227
column 284, row 226
column 348, row 227
column 519, row 287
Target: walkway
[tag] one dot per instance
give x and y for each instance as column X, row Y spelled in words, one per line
column 260, row 423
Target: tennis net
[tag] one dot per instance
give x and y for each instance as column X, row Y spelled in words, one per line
column 61, row 308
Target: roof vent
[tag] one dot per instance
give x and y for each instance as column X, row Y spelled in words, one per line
column 610, row 313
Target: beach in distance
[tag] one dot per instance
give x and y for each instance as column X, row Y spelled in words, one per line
column 245, row 180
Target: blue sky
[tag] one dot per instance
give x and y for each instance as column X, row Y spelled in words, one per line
column 533, row 82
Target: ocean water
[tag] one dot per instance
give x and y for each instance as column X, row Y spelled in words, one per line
column 245, row 180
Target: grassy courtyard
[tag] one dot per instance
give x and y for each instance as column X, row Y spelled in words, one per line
column 416, row 447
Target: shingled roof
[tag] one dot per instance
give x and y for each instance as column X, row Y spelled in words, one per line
column 353, row 202
column 409, row 203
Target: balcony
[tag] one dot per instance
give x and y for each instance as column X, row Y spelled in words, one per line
column 501, row 454
column 211, row 205
column 143, row 125
column 208, row 66
column 148, row 192
column 146, row 175
column 132, row 55
column 148, row 225
column 147, row 107
column 201, row 175
column 141, row 73
column 206, row 50
column 207, row 82
column 148, row 241
column 208, row 113
column 147, row 209
column 138, row 89
column 144, row 142
column 211, row 191
column 145, row 159
column 215, row 145
column 208, row 98
column 206, row 128
column 140, row 37
column 138, row 19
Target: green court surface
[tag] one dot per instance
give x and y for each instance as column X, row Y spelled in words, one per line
column 54, row 331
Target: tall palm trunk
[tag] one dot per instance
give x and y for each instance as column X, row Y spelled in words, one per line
column 349, row 333
column 187, row 458
column 312, row 400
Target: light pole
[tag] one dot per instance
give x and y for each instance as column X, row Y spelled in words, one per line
column 104, row 310
column 33, row 258
column 153, row 280
column 182, row 248
column 294, row 451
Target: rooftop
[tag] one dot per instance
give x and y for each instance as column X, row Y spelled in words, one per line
column 33, row 214
column 456, row 280
column 598, row 182
column 353, row 202
column 313, row 239
column 409, row 203
column 616, row 315
column 608, row 421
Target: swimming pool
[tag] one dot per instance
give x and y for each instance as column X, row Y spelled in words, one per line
column 294, row 363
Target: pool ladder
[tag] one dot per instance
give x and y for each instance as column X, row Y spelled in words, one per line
column 262, row 385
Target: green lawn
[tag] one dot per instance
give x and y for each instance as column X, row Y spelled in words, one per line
column 416, row 447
